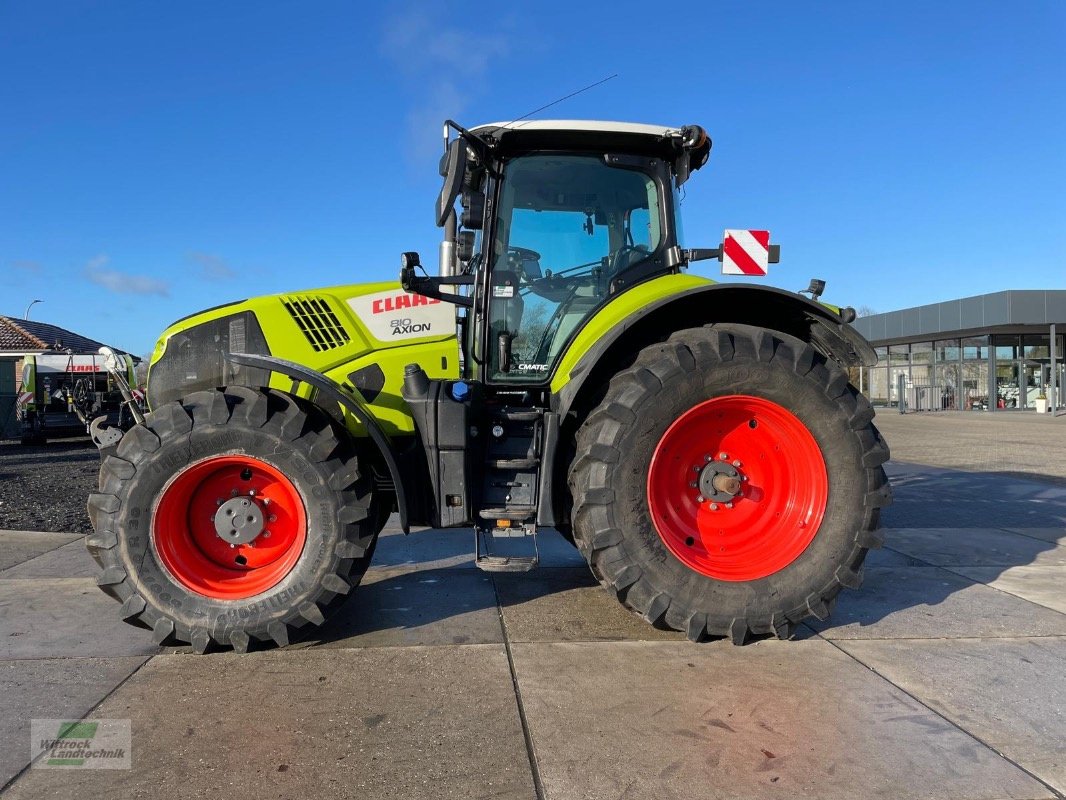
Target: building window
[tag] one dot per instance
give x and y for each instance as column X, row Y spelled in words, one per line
column 975, row 347
column 899, row 355
column 1006, row 347
column 947, row 350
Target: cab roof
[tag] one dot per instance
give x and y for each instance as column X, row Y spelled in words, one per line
column 591, row 125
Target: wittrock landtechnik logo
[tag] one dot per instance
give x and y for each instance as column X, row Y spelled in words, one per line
column 80, row 744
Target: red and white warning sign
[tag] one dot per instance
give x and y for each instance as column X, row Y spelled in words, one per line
column 746, row 253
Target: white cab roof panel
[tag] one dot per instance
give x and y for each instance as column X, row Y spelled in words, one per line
column 580, row 125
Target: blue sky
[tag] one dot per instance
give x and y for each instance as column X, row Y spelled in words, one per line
column 158, row 158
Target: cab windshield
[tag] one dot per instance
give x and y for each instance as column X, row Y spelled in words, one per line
column 566, row 226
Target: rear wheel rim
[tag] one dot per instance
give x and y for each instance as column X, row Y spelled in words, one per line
column 782, row 495
column 188, row 541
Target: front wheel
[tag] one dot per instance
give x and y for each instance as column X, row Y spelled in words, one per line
column 729, row 483
column 232, row 516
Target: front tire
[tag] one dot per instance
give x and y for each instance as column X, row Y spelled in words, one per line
column 231, row 516
column 729, row 484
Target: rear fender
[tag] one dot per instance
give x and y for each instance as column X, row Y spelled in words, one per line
column 768, row 307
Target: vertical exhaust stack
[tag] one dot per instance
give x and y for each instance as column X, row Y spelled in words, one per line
column 447, row 247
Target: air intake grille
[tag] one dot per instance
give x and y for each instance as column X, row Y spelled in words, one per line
column 317, row 321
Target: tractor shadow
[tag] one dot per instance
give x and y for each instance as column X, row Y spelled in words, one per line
column 424, row 590
column 949, row 535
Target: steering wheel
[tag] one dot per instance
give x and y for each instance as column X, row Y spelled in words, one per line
column 620, row 259
column 516, row 256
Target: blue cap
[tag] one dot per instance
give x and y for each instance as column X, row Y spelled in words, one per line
column 460, row 391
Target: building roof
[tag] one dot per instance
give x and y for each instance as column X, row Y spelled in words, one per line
column 29, row 336
column 968, row 314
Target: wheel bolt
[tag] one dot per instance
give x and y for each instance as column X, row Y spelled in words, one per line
column 693, row 484
column 714, row 506
column 736, row 463
column 266, row 534
column 233, row 493
column 218, row 501
column 723, row 456
column 272, row 518
column 266, row 501
column 729, row 504
column 251, row 492
column 699, row 499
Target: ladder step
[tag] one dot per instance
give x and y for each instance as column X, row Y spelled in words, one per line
column 512, row 463
column 518, row 414
column 512, row 512
column 507, row 563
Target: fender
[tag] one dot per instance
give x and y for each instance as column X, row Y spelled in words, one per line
column 349, row 402
column 752, row 304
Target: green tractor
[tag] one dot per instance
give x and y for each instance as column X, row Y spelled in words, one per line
column 700, row 443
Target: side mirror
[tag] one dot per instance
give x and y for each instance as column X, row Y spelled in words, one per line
column 473, row 215
column 464, row 247
column 453, row 168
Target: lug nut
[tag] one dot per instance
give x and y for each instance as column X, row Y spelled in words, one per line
column 272, row 518
column 736, row 463
column 714, row 506
column 233, row 493
column 699, row 499
column 723, row 456
column 218, row 501
column 251, row 492
column 266, row 534
column 266, row 501
column 729, row 504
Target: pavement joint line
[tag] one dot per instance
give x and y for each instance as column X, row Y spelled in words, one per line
column 534, row 766
column 1054, row 792
column 1001, row 589
column 86, row 715
column 1018, row 532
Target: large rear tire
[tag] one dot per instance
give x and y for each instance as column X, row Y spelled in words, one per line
column 729, row 484
column 231, row 516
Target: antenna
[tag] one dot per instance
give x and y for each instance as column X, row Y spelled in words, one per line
column 566, row 97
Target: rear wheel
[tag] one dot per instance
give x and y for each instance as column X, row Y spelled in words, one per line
column 729, row 483
column 232, row 516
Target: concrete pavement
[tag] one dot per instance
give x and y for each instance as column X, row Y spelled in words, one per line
column 944, row 677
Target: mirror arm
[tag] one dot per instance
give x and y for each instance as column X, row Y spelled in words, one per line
column 430, row 286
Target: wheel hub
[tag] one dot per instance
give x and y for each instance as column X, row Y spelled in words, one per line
column 719, row 482
column 239, row 520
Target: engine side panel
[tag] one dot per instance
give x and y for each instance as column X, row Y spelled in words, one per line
column 337, row 331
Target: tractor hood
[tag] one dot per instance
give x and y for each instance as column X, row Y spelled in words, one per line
column 322, row 329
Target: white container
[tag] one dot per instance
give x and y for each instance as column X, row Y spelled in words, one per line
column 1041, row 405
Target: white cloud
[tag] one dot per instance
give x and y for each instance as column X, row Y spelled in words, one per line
column 438, row 58
column 213, row 267
column 114, row 281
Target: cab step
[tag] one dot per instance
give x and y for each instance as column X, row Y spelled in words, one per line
column 519, row 513
column 512, row 463
column 485, row 559
column 518, row 414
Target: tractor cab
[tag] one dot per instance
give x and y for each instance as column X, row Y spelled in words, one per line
column 556, row 218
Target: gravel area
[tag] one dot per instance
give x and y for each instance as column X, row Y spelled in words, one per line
column 45, row 487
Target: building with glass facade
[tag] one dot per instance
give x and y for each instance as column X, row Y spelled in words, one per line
column 990, row 352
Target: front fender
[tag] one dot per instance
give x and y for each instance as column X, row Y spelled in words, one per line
column 347, row 401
